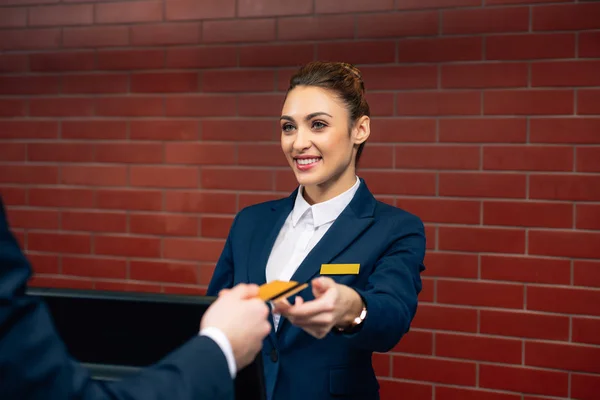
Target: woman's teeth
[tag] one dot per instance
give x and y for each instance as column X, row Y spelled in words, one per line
column 306, row 161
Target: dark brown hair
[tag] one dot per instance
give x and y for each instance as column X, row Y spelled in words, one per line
column 344, row 80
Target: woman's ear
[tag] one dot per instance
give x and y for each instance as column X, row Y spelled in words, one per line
column 362, row 130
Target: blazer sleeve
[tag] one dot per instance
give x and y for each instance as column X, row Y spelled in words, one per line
column 391, row 294
column 35, row 364
column 224, row 270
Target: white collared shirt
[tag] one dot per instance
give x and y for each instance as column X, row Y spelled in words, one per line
column 301, row 231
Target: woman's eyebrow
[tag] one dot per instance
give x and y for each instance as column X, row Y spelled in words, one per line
column 308, row 117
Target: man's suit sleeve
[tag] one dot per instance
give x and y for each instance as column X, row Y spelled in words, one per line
column 35, row 364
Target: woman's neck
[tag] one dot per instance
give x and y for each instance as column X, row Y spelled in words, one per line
column 314, row 194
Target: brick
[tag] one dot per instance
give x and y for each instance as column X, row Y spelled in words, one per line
column 33, row 219
column 528, row 158
column 29, row 85
column 30, row 39
column 320, row 27
column 185, row 290
column 94, row 221
column 130, row 59
column 582, row 130
column 248, row 199
column 94, row 129
column 28, row 174
column 485, row 20
column 563, row 300
column 526, row 269
column 129, row 199
column 215, row 227
column 81, row 14
column 588, row 102
column 440, row 49
column 163, row 224
column 563, row 356
column 43, row 263
column 479, row 348
column 388, row 130
column 263, row 155
column 200, row 105
column 238, row 81
column 97, row 36
column 417, row 4
column 482, row 185
column 127, row 12
column 28, row 129
column 63, row 61
column 164, row 82
column 406, row 183
column 564, row 187
column 524, row 380
column 476, row 293
column 275, row 55
column 585, row 330
column 200, row 153
column 60, row 152
column 95, row 83
column 164, row 272
column 164, row 176
column 88, row 175
column 502, row 2
column 164, row 130
column 129, row 106
column 200, row 202
column 63, row 283
column 397, row 24
column 566, row 17
column 584, row 387
column 381, row 104
column 586, row 273
column 381, row 364
column 428, row 290
column 400, row 77
column 377, row 157
column 415, row 342
column 442, row 210
column 438, row 103
column 451, row 393
column 260, row 105
column 565, row 73
column 59, row 197
column 437, row 157
column 528, row 102
column 52, row 242
column 14, row 63
column 535, row 214
column 209, row 57
column 588, row 44
column 431, row 235
column 13, row 152
column 165, row 34
column 145, row 153
column 12, row 108
column 415, row 391
column 332, row 6
column 127, row 246
column 483, row 130
column 368, row 52
column 524, row 324
column 588, row 159
column 204, row 9
column 13, row 17
column 127, row 287
column 13, row 195
column 445, row 318
column 238, row 31
column 451, row 265
column 236, row 179
column 94, row 267
column 484, row 75
column 565, row 244
column 260, row 8
column 529, row 46
column 434, row 370
column 61, row 107
column 192, row 249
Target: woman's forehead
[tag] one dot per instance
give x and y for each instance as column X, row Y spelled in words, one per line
column 305, row 100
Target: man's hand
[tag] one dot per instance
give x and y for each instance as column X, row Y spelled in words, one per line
column 334, row 305
column 242, row 317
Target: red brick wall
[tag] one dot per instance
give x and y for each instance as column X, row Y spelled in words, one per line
column 131, row 133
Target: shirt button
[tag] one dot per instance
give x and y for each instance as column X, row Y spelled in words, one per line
column 273, row 355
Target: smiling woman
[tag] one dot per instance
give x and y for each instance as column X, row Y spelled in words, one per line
column 363, row 258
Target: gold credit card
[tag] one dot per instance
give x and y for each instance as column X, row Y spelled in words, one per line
column 278, row 290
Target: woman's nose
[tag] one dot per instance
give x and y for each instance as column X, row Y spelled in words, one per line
column 302, row 140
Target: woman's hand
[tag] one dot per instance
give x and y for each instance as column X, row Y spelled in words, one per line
column 334, row 305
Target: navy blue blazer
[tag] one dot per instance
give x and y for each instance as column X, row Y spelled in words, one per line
column 34, row 363
column 389, row 245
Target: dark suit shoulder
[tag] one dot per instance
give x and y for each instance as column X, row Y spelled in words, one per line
column 256, row 211
column 384, row 211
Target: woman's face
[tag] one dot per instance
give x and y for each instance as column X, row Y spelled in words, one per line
column 315, row 137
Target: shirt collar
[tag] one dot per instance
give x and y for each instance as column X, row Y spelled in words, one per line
column 326, row 211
